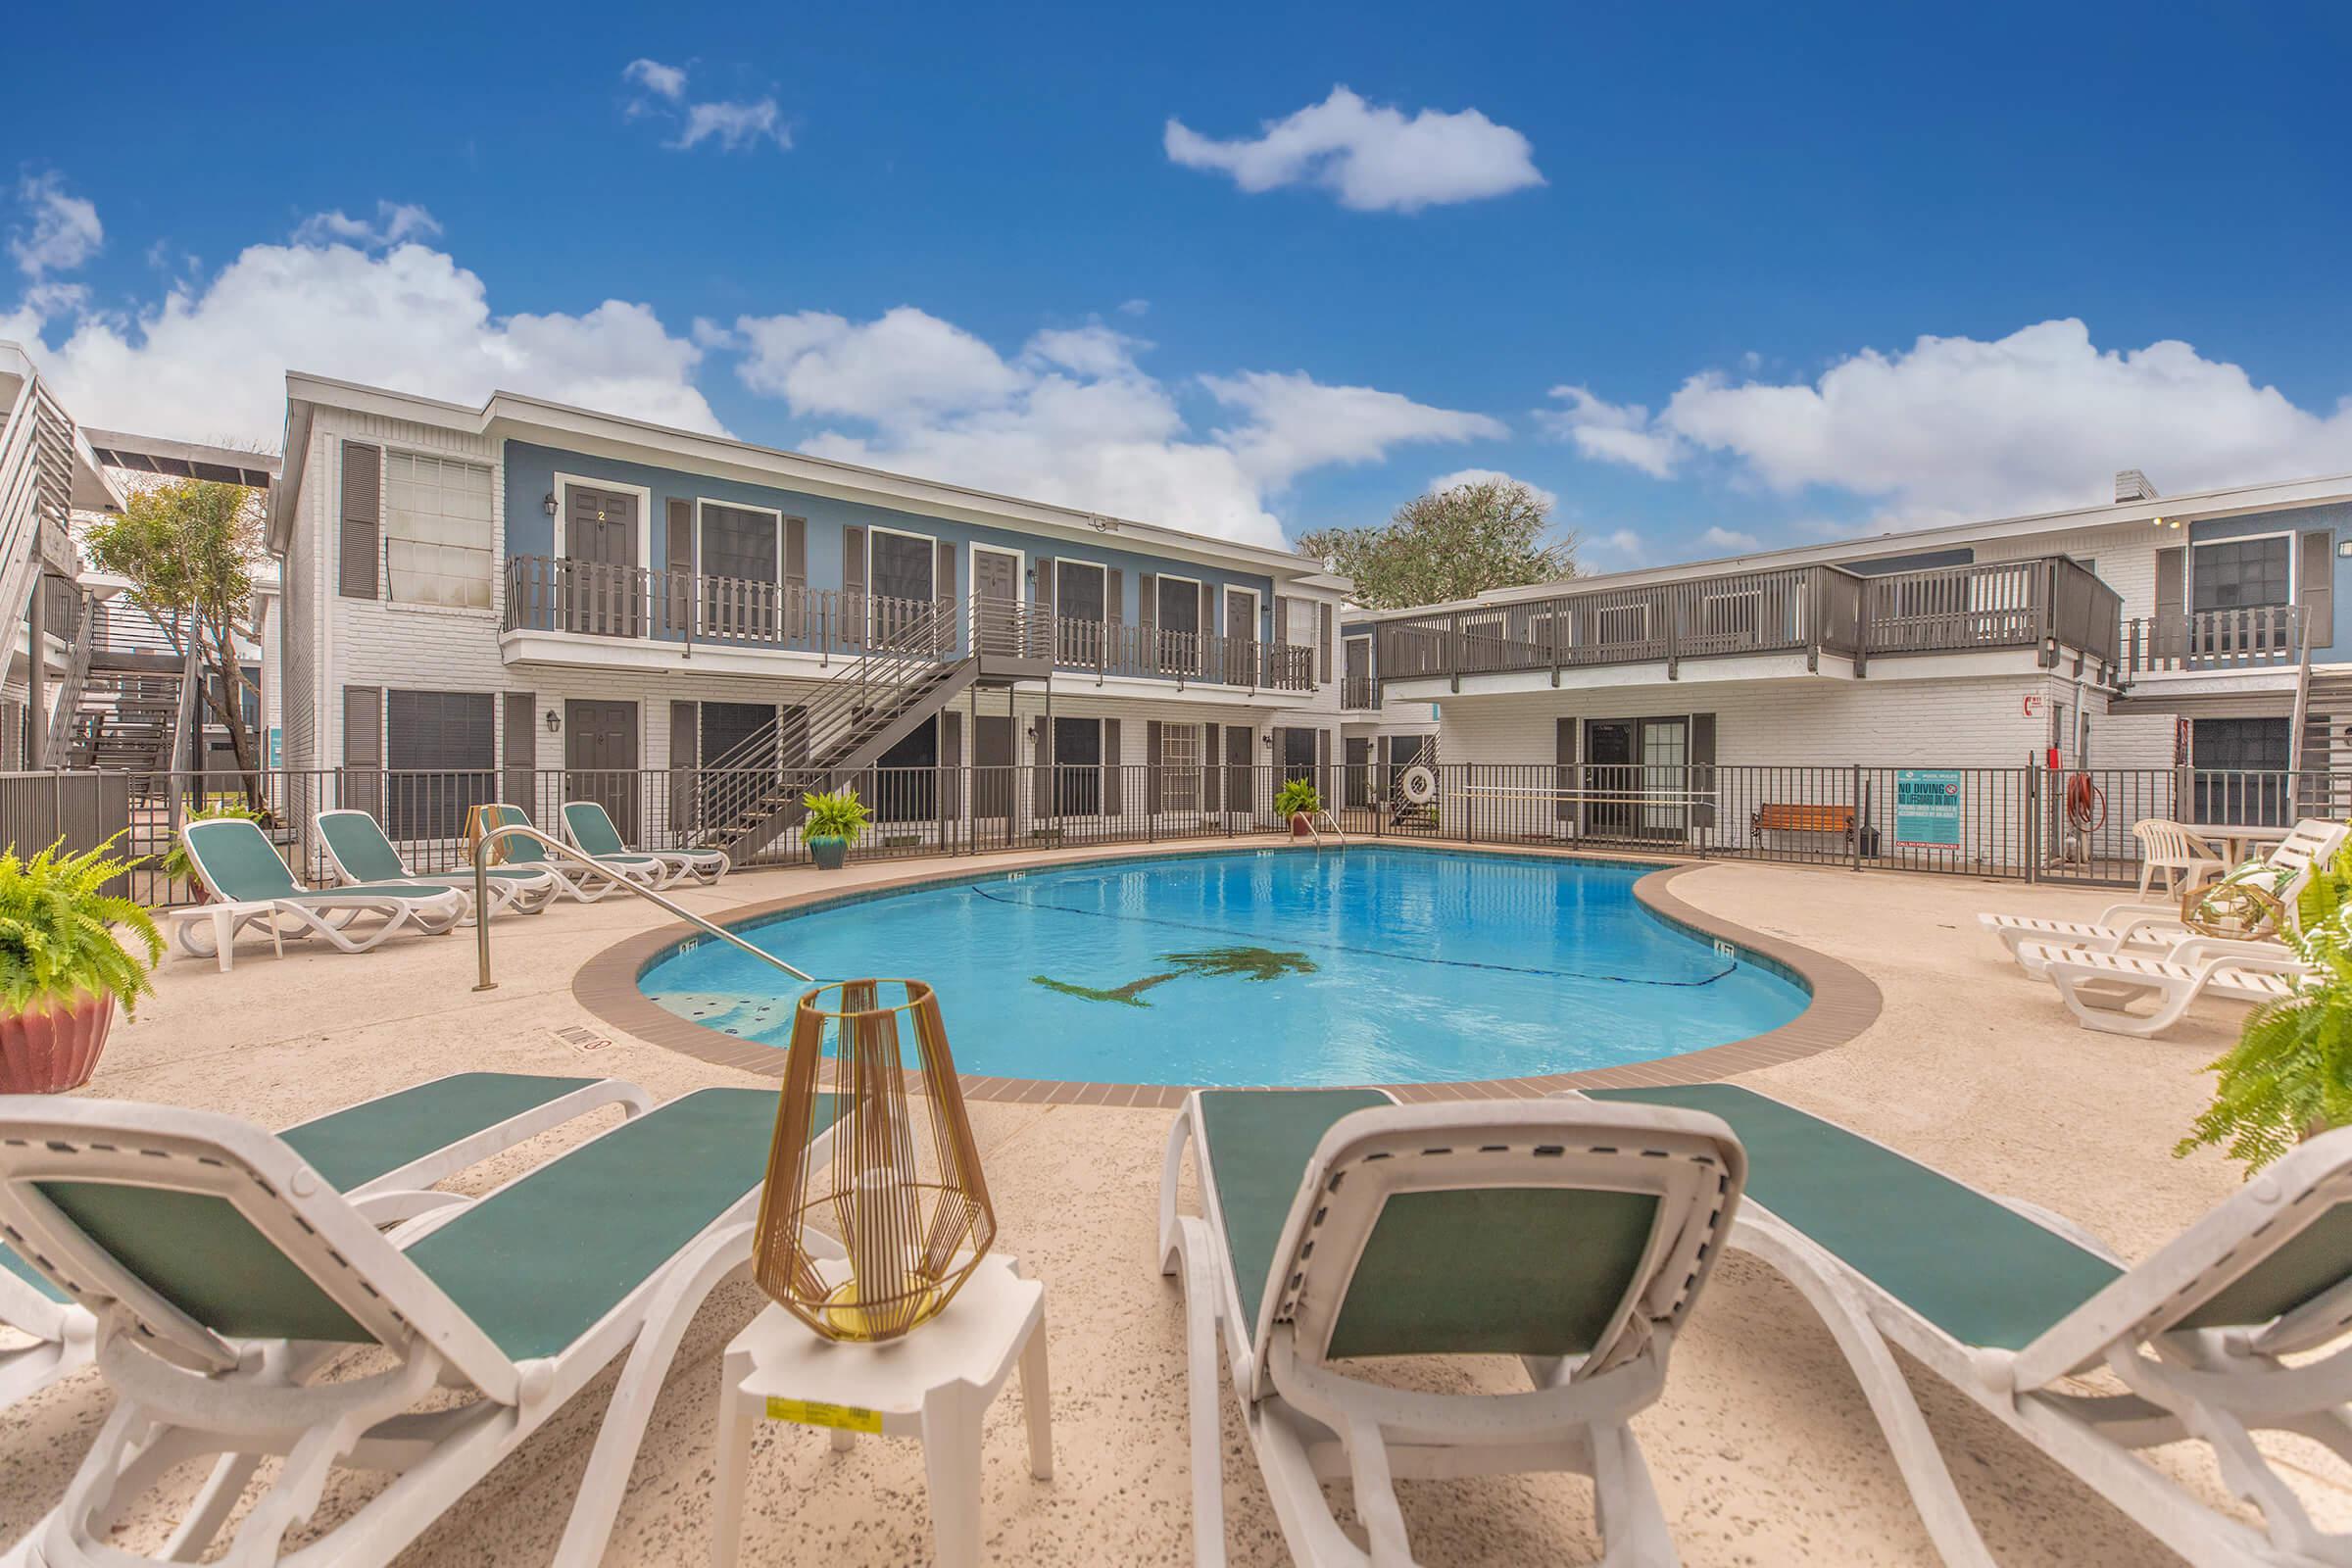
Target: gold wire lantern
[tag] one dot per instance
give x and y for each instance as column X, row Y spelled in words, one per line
column 903, row 1195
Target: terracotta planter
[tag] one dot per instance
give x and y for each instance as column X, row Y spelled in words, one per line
column 829, row 853
column 1303, row 826
column 48, row 1051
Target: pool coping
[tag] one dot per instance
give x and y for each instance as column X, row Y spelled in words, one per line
column 1844, row 1001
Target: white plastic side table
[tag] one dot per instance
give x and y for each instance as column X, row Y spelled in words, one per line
column 935, row 1384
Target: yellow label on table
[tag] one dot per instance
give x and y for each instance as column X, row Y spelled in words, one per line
column 817, row 1413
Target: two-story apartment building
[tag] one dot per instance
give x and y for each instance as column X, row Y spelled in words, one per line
column 522, row 588
column 2195, row 632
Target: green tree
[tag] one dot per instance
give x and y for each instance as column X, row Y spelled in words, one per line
column 191, row 550
column 1450, row 544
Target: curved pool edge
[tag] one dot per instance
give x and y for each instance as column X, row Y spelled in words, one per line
column 1844, row 1000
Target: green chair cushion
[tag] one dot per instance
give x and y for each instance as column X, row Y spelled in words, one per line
column 1978, row 1271
column 238, row 862
column 388, row 889
column 2317, row 1259
column 593, row 830
column 360, row 846
column 541, row 1261
column 1258, row 1143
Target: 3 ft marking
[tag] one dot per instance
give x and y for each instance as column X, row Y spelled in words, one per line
column 1724, row 950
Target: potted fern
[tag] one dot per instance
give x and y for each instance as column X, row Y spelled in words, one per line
column 61, row 967
column 1298, row 801
column 2289, row 1076
column 836, row 821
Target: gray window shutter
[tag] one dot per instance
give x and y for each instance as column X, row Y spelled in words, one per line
column 1147, row 604
column 522, row 745
column 1153, row 759
column 1702, row 770
column 2169, row 637
column 1113, row 776
column 678, row 534
column 2318, row 592
column 943, row 585
column 951, row 760
column 1563, row 772
column 361, row 549
column 1323, row 644
column 1212, row 783
column 1241, row 757
column 363, row 747
column 1045, row 587
column 685, row 736
column 851, row 629
column 1114, row 595
column 1041, row 776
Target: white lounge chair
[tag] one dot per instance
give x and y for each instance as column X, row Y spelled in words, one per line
column 2098, row 988
column 359, row 853
column 588, row 827
column 226, row 1276
column 1338, row 1224
column 251, row 886
column 2313, row 841
column 381, row 1153
column 2007, row 1302
column 572, row 880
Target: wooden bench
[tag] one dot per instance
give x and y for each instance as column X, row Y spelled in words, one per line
column 1790, row 818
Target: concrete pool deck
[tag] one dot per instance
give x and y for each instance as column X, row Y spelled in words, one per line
column 1762, row 1449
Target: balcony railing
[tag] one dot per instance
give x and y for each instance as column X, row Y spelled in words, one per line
column 551, row 594
column 1360, row 691
column 2269, row 637
column 2047, row 603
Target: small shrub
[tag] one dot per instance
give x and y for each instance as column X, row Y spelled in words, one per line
column 1298, row 795
column 57, row 938
column 839, row 815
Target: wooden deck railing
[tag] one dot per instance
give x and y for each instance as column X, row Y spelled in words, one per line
column 2268, row 637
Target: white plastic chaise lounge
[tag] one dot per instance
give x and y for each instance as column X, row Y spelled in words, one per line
column 573, row 880
column 2158, row 926
column 381, row 1153
column 1338, row 1224
column 2007, row 1303
column 2099, row 988
column 589, row 827
column 359, row 853
column 227, row 1278
column 251, row 886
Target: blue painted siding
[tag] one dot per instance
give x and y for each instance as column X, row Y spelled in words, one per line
column 530, row 472
column 2336, row 521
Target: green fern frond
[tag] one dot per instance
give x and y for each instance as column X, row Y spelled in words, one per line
column 59, row 929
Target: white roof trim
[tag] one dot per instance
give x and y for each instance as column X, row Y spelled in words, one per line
column 521, row 415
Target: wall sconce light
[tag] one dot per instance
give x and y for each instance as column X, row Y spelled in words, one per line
column 553, row 723
column 1266, row 740
column 1030, row 734
column 549, row 503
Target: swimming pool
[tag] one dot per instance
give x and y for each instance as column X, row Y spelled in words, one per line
column 1366, row 964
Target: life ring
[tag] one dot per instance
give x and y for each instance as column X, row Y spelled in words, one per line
column 1419, row 785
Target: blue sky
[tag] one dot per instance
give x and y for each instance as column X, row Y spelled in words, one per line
column 1676, row 270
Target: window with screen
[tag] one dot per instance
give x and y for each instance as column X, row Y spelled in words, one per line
column 902, row 565
column 438, row 546
column 1077, row 590
column 2241, row 573
column 741, row 570
column 440, row 749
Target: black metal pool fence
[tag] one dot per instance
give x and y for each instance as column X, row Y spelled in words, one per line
column 2024, row 822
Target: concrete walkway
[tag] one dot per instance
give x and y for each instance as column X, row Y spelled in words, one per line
column 1762, row 1449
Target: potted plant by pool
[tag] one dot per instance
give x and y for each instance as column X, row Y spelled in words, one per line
column 2289, row 1076
column 63, row 969
column 836, row 821
column 1299, row 801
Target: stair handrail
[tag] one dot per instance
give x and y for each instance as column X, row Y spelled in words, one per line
column 77, row 672
column 523, row 830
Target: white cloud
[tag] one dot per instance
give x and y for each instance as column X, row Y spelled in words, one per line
column 668, row 81
column 1622, row 549
column 734, row 127
column 1072, row 417
column 1610, row 431
column 62, row 231
column 1133, row 307
column 1730, row 541
column 210, row 362
column 1460, row 477
column 1957, row 426
column 395, row 223
column 1374, row 159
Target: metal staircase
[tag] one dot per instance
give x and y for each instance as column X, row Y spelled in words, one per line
column 36, row 488
column 752, row 793
column 134, row 697
column 2323, row 741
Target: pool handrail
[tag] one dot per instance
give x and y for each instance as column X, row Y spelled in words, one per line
column 481, row 897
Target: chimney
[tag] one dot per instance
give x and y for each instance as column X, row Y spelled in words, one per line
column 2133, row 485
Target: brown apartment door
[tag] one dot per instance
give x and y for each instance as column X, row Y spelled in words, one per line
column 600, row 555
column 1241, row 767
column 599, row 759
column 997, row 600
column 1241, row 637
column 992, row 767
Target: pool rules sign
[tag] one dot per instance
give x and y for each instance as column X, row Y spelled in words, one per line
column 1927, row 806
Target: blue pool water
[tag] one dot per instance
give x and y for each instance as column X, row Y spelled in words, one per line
column 1378, row 965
